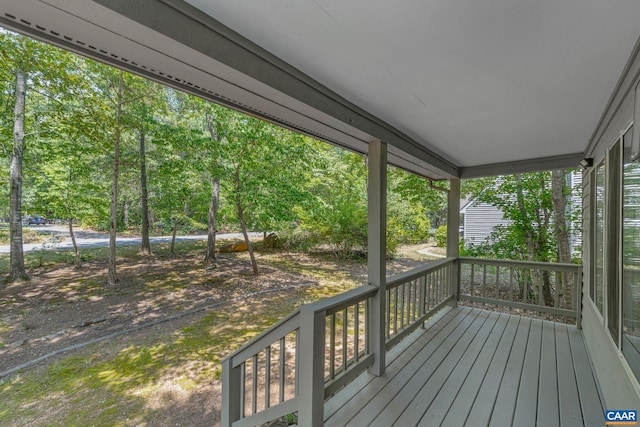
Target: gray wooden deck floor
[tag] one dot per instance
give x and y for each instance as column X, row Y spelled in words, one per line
column 475, row 367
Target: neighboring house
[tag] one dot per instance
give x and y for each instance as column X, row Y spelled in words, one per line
column 479, row 219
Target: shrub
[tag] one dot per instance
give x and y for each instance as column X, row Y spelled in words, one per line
column 441, row 236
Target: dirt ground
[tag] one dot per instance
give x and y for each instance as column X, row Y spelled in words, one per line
column 63, row 307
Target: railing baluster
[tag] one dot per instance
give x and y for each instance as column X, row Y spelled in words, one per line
column 254, row 385
column 423, row 295
column 559, row 283
column 438, row 275
column 243, row 381
column 367, row 311
column 297, row 364
column 267, row 378
column 472, row 279
column 484, row 281
column 356, row 330
column 283, row 362
column 432, row 290
column 497, row 282
column 388, row 313
column 345, row 326
column 510, row 285
column 526, row 285
column 402, row 288
column 332, row 347
column 437, row 288
column 409, row 304
column 395, row 314
column 427, row 287
column 412, row 295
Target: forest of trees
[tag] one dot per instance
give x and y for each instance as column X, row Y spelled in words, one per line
column 101, row 148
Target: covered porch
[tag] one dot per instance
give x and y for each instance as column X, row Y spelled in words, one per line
column 463, row 343
column 461, row 90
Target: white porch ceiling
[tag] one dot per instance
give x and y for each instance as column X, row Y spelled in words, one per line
column 448, row 84
column 476, row 81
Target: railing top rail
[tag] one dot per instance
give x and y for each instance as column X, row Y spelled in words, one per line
column 398, row 279
column 282, row 327
column 554, row 266
column 345, row 299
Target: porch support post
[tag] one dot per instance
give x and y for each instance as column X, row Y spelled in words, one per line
column 377, row 251
column 453, row 234
column 311, row 373
column 231, row 391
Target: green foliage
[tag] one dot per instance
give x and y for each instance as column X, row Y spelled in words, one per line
column 440, row 235
column 310, row 192
column 407, row 222
column 526, row 202
column 297, row 239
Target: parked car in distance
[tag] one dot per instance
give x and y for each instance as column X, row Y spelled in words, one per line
column 37, row 220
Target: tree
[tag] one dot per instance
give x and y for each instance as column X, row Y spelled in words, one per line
column 17, row 270
column 38, row 70
column 559, row 197
column 145, row 245
column 214, row 169
column 113, row 276
column 535, row 205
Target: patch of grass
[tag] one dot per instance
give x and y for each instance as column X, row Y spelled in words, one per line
column 28, row 235
column 118, row 382
column 54, row 257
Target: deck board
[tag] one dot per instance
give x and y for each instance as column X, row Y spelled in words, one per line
column 399, row 392
column 459, row 410
column 440, row 405
column 475, row 367
column 505, row 405
column 592, row 410
column 568, row 399
column 527, row 406
column 548, row 410
column 485, row 400
column 429, row 390
column 408, row 359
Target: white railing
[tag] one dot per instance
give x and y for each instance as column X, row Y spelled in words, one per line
column 294, row 366
column 536, row 286
column 300, row 361
column 414, row 296
column 321, row 347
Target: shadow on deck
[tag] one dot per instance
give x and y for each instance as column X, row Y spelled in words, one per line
column 476, row 367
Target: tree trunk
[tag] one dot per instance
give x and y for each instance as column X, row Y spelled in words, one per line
column 113, row 277
column 17, row 270
column 213, row 213
column 76, row 250
column 125, row 214
column 243, row 225
column 173, row 238
column 559, row 198
column 536, row 278
column 145, row 246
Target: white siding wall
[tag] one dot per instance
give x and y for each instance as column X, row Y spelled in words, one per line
column 479, row 221
column 575, row 182
column 481, row 218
